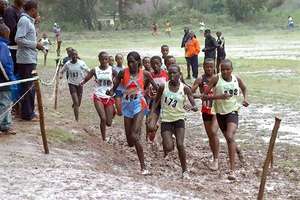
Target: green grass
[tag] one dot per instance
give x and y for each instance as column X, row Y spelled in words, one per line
column 263, row 87
column 60, row 135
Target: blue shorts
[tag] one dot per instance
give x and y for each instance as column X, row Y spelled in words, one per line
column 118, row 93
column 131, row 107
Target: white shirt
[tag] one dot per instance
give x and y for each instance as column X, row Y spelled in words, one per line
column 104, row 81
column 76, row 71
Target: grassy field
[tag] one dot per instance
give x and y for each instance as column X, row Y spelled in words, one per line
column 268, row 80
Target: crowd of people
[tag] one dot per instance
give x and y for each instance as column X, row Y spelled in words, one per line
column 151, row 86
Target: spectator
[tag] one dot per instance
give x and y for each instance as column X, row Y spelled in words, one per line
column 290, row 23
column 210, row 46
column 57, row 32
column 192, row 47
column 3, row 6
column 27, row 57
column 6, row 74
column 11, row 18
column 221, row 54
column 184, row 40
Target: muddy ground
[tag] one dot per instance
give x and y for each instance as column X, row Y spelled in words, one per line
column 81, row 166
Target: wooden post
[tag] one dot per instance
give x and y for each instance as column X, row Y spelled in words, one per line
column 56, row 88
column 269, row 158
column 41, row 115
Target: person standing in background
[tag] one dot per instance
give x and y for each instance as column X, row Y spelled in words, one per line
column 210, row 46
column 221, row 54
column 26, row 40
column 184, row 40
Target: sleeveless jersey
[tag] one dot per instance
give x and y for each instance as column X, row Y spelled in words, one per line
column 172, row 104
column 160, row 78
column 206, row 104
column 104, row 81
column 225, row 106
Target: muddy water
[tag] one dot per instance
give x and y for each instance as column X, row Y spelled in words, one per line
column 255, row 51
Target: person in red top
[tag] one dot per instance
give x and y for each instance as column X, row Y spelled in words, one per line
column 209, row 119
column 134, row 104
column 160, row 77
column 192, row 49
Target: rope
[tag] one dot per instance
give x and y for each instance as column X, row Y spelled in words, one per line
column 9, row 109
column 54, row 77
column 18, row 81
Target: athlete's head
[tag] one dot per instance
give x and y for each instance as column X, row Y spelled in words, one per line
column 146, row 63
column 111, row 60
column 156, row 64
column 169, row 60
column 119, row 59
column 208, row 66
column 226, row 68
column 174, row 73
column 219, row 34
column 134, row 61
column 207, row 33
column 74, row 56
column 164, row 50
column 103, row 58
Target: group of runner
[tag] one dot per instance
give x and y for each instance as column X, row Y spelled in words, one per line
column 155, row 87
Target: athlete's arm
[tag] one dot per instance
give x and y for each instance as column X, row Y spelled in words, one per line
column 196, row 85
column 62, row 71
column 244, row 92
column 117, row 81
column 189, row 94
column 88, row 77
column 149, row 78
column 151, row 120
column 212, row 83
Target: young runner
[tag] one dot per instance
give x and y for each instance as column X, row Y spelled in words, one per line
column 164, row 53
column 134, row 104
column 76, row 70
column 103, row 103
column 111, row 61
column 46, row 44
column 119, row 92
column 172, row 98
column 209, row 119
column 227, row 89
column 160, row 77
column 146, row 64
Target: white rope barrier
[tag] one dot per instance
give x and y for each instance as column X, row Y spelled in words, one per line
column 55, row 74
column 18, row 81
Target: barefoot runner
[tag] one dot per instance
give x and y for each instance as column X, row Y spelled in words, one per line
column 227, row 89
column 172, row 98
column 76, row 70
column 103, row 103
column 133, row 102
column 209, row 119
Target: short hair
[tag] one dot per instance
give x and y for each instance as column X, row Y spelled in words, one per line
column 69, row 49
column 209, row 60
column 207, row 31
column 118, row 54
column 146, row 57
column 30, row 5
column 3, row 29
column 156, row 57
column 164, row 46
column 136, row 56
column 168, row 57
column 101, row 54
column 227, row 62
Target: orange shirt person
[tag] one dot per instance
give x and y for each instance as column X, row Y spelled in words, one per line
column 192, row 49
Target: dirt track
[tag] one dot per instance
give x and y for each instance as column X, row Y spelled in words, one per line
column 85, row 168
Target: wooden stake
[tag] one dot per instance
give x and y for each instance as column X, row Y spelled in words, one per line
column 41, row 115
column 56, row 89
column 269, row 158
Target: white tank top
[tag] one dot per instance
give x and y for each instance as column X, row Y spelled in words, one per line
column 104, row 81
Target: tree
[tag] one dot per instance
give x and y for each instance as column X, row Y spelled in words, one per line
column 155, row 4
column 243, row 9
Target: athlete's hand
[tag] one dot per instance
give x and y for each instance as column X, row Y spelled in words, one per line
column 109, row 92
column 39, row 46
column 82, row 83
column 245, row 103
column 151, row 123
column 226, row 96
column 195, row 109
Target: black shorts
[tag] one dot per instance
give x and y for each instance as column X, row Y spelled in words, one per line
column 207, row 117
column 78, row 89
column 223, row 120
column 171, row 126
